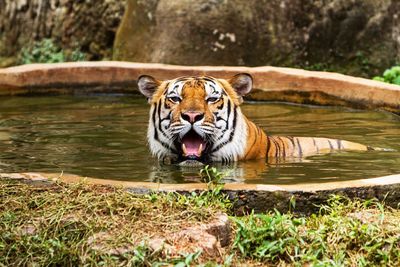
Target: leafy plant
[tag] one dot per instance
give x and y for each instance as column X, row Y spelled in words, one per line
column 344, row 233
column 211, row 175
column 391, row 75
column 267, row 236
column 46, row 51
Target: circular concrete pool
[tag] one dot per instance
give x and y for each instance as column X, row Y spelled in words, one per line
column 90, row 123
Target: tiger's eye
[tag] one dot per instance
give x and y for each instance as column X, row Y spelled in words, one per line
column 212, row 99
column 174, row 99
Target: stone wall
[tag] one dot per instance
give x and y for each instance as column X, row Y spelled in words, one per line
column 86, row 25
column 359, row 37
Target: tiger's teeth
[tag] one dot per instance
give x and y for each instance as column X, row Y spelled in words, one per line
column 184, row 149
column 200, row 149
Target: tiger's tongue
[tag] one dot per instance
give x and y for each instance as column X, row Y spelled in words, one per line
column 192, row 146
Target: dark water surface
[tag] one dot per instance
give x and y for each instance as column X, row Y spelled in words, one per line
column 105, row 137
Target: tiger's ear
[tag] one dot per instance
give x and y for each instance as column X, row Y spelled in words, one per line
column 147, row 85
column 242, row 83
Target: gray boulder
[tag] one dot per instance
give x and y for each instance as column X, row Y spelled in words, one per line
column 359, row 37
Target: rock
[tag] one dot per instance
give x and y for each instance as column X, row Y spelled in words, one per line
column 358, row 37
column 209, row 238
column 27, row 229
column 88, row 26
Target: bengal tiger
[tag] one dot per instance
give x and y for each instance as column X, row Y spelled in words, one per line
column 199, row 119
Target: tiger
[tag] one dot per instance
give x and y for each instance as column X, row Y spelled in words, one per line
column 198, row 118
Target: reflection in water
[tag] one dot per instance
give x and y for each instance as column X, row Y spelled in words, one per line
column 236, row 172
column 105, row 136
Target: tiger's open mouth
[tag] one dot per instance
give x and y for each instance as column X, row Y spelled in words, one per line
column 193, row 146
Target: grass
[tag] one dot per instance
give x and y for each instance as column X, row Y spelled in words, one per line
column 344, row 233
column 95, row 225
column 80, row 224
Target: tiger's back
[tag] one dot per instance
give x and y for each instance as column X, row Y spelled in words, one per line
column 259, row 145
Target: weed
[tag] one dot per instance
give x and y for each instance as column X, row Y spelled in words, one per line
column 391, row 75
column 266, row 237
column 211, row 175
column 343, row 233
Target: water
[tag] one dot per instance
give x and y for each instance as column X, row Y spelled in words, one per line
column 105, row 137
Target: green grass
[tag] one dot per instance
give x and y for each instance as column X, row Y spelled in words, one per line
column 344, row 233
column 80, row 224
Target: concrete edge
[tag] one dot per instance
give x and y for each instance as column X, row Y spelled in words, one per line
column 307, row 187
column 305, row 198
column 114, row 76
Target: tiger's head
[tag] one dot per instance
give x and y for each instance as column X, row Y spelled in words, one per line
column 196, row 118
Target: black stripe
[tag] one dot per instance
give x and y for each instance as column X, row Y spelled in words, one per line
column 339, row 143
column 159, row 114
column 165, row 145
column 315, row 144
column 213, row 87
column 229, row 114
column 234, row 117
column 160, row 127
column 220, row 106
column 166, row 88
column 153, row 118
column 277, row 149
column 209, row 80
column 184, row 78
column 330, row 144
column 165, row 105
column 217, row 118
column 283, row 146
column 300, row 150
column 166, row 118
column 232, row 133
column 268, row 145
column 291, row 140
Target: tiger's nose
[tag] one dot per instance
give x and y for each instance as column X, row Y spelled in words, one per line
column 192, row 117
